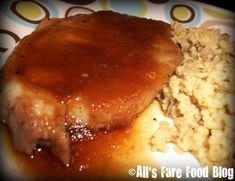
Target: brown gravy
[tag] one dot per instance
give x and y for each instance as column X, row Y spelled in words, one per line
column 91, row 158
column 101, row 51
column 111, row 64
column 108, row 156
column 127, row 64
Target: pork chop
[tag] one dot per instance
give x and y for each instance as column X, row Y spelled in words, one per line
column 100, row 71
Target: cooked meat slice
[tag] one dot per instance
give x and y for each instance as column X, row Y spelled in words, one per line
column 35, row 116
column 99, row 70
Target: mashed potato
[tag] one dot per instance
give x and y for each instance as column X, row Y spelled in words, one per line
column 199, row 98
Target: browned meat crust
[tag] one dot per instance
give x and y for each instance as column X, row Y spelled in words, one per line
column 99, row 70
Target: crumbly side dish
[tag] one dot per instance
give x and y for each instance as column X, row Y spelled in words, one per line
column 200, row 98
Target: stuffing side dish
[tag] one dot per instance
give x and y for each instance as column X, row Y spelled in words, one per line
column 200, row 98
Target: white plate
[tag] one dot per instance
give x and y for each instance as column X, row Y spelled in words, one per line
column 19, row 18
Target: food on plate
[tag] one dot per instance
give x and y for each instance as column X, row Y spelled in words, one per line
column 86, row 72
column 200, row 98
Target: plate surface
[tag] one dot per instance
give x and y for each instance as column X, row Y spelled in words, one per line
column 19, row 18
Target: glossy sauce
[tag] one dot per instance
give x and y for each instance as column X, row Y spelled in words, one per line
column 109, row 155
column 98, row 56
column 111, row 64
column 74, row 59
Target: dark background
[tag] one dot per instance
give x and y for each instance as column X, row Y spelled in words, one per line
column 229, row 4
